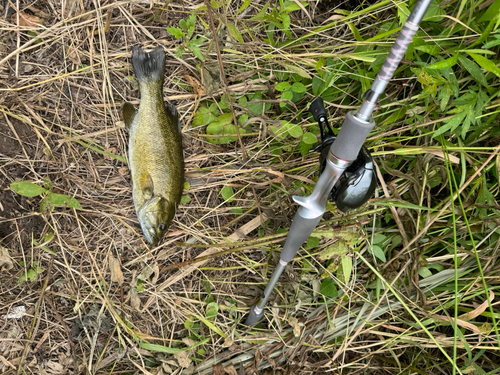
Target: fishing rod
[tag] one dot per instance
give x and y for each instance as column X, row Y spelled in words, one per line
column 349, row 188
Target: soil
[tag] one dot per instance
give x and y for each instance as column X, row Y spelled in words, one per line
column 17, row 212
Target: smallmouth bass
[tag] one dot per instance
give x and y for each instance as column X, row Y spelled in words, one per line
column 155, row 155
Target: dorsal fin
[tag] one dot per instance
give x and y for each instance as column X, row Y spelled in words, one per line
column 128, row 112
column 174, row 115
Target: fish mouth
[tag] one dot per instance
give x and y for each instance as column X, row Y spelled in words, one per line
column 148, row 218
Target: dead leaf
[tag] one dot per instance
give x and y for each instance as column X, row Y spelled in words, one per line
column 5, row 259
column 166, row 368
column 74, row 56
column 27, row 20
column 55, row 368
column 460, row 322
column 188, row 342
column 156, row 269
column 115, row 269
column 195, row 84
column 218, row 369
column 228, row 341
column 210, row 76
column 183, row 359
column 38, row 12
column 230, row 370
column 478, row 310
column 135, row 301
column 295, row 324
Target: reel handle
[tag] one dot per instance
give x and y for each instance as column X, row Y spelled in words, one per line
column 317, row 109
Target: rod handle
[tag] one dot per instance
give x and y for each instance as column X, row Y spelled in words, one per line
column 299, row 232
column 351, row 137
column 254, row 316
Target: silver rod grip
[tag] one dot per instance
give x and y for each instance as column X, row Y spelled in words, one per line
column 351, row 137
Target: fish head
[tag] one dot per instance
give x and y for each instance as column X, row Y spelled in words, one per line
column 155, row 216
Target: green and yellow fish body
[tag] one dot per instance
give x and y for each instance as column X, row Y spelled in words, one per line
column 155, row 147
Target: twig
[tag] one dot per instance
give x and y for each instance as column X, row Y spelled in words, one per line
column 224, row 79
column 220, row 253
column 35, row 316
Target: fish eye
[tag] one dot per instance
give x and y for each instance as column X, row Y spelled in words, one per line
column 161, row 226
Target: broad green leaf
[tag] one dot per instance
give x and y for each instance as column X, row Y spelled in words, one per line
column 282, row 86
column 338, row 248
column 297, row 70
column 345, row 235
column 203, row 116
column 379, row 238
column 235, row 33
column 434, row 10
column 317, row 85
column 448, row 63
column 424, row 272
column 285, row 18
column 216, row 4
column 379, row 253
column 312, row 242
column 309, row 138
column 176, row 32
column 486, row 64
column 189, row 323
column 227, row 193
column 328, row 288
column 298, row 87
column 262, row 13
column 492, row 43
column 294, row 130
column 332, row 267
column 63, row 200
column 403, row 13
column 355, row 32
column 190, row 23
column 254, row 104
column 27, row 189
column 244, row 6
column 212, row 310
column 450, row 124
column 31, row 275
column 287, row 95
column 304, row 148
column 492, row 12
column 345, row 268
column 430, row 49
column 290, row 6
column 185, row 199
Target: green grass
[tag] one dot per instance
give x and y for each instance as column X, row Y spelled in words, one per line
column 409, row 283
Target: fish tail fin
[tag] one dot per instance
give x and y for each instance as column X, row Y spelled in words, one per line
column 148, row 66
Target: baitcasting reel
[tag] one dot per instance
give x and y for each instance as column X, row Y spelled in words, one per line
column 357, row 184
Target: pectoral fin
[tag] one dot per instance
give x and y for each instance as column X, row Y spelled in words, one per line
column 147, row 186
column 128, row 112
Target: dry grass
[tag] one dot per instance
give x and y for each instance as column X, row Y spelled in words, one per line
column 60, row 96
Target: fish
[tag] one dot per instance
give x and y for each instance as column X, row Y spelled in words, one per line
column 155, row 152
